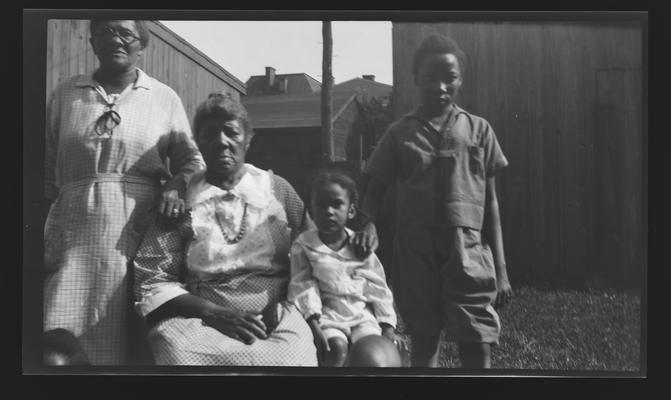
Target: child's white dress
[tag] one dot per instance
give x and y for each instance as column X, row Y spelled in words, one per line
column 345, row 291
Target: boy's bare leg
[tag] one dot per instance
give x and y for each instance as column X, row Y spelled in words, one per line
column 425, row 350
column 475, row 355
column 336, row 357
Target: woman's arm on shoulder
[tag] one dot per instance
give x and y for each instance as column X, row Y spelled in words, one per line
column 185, row 161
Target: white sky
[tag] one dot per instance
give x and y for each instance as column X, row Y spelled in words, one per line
column 245, row 48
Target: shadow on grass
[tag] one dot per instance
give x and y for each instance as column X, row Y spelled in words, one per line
column 565, row 330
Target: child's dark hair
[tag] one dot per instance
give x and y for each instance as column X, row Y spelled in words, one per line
column 437, row 44
column 64, row 342
column 332, row 175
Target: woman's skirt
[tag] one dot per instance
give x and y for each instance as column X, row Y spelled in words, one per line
column 94, row 227
column 188, row 341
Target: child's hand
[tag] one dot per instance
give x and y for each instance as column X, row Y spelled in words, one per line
column 399, row 342
column 365, row 241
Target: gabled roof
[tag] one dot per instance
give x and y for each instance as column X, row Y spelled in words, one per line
column 297, row 84
column 189, row 50
column 364, row 87
column 291, row 111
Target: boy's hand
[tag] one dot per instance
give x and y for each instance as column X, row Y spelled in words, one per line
column 504, row 292
column 365, row 241
column 321, row 343
column 400, row 343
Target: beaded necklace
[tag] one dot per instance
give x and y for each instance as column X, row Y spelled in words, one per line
column 241, row 232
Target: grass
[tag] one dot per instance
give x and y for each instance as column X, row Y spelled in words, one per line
column 564, row 330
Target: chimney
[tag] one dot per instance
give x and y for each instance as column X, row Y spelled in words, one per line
column 282, row 85
column 270, row 76
column 369, row 77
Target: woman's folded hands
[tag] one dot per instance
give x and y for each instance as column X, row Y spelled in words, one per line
column 240, row 325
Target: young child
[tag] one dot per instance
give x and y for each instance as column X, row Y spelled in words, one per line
column 443, row 161
column 342, row 297
column 61, row 347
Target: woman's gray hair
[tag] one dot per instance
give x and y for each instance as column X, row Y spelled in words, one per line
column 222, row 105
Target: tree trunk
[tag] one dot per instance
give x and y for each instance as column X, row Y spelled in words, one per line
column 327, row 85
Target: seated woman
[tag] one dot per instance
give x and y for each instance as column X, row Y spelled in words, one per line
column 213, row 286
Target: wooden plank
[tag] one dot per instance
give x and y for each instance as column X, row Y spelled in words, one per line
column 82, row 49
column 73, row 49
column 620, row 170
column 635, row 178
column 52, row 26
column 533, row 123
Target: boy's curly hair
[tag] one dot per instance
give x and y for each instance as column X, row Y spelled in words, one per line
column 437, row 44
column 333, row 175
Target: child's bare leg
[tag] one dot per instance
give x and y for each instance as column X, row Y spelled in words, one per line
column 425, row 350
column 338, row 353
column 475, row 355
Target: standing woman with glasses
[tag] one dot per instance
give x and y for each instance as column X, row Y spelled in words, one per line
column 111, row 139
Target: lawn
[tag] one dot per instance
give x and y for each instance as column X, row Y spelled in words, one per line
column 565, row 330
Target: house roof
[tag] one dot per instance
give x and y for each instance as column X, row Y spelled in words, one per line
column 291, row 111
column 364, row 87
column 297, row 84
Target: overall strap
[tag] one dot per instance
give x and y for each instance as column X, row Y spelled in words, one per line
column 443, row 153
column 444, row 132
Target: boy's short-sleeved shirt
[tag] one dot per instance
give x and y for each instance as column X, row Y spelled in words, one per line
column 408, row 154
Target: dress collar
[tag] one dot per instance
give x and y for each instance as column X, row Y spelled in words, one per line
column 143, row 81
column 250, row 188
column 312, row 240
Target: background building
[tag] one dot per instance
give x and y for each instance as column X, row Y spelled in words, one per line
column 285, row 110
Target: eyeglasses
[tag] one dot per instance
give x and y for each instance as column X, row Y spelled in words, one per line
column 108, row 32
column 106, row 123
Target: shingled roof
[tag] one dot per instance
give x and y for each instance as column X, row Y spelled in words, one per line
column 364, row 87
column 291, row 111
column 296, row 84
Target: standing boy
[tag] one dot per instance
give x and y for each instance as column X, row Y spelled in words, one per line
column 443, row 161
